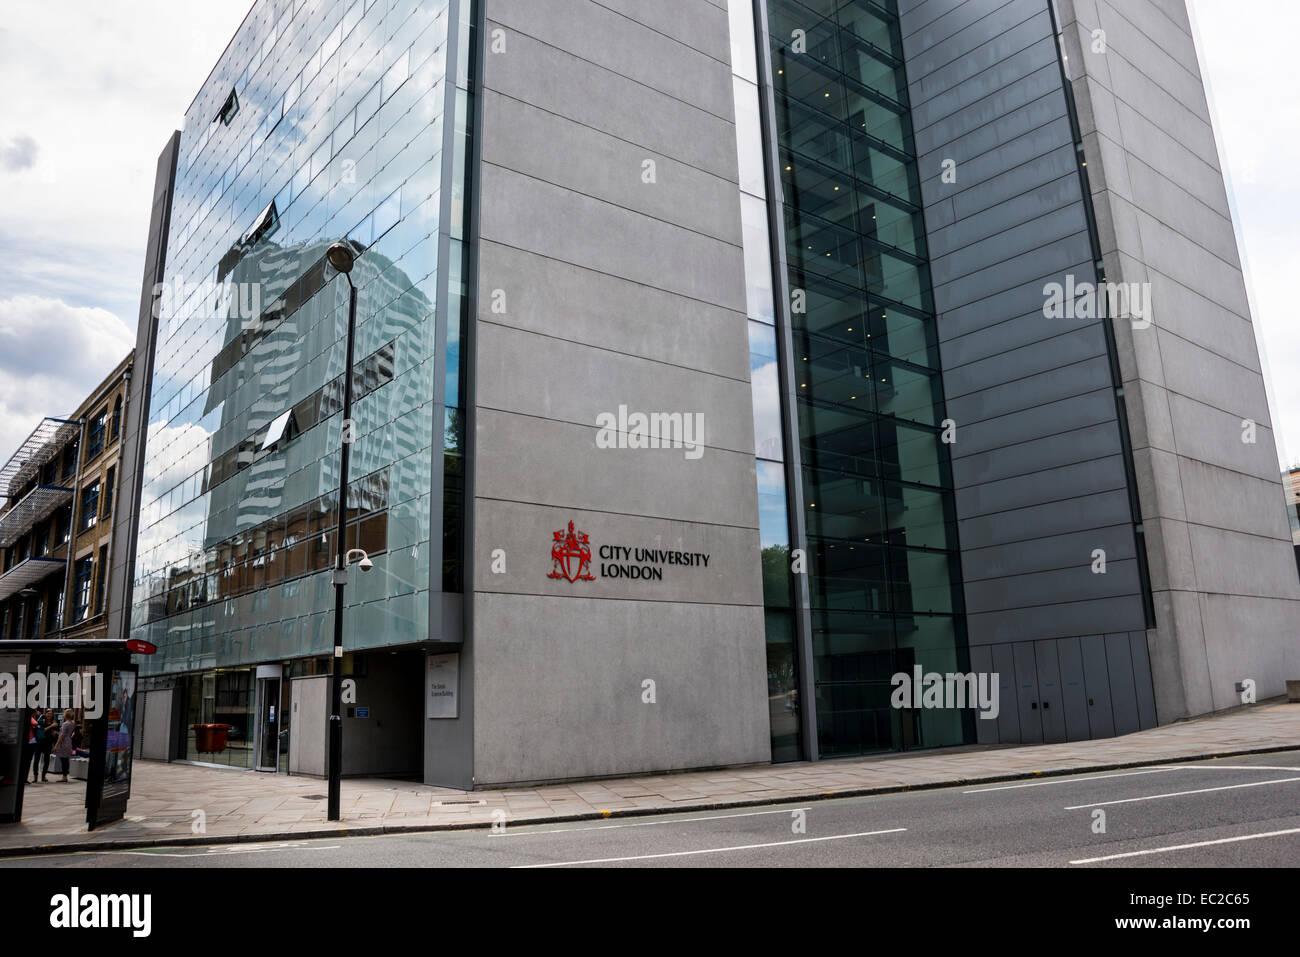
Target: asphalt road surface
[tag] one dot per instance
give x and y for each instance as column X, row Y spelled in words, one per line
column 1233, row 812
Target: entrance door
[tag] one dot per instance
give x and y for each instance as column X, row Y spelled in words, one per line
column 268, row 724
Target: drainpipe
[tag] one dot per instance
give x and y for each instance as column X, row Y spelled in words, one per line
column 117, row 501
column 72, row 527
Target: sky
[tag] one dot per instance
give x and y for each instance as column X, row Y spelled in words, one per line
column 92, row 92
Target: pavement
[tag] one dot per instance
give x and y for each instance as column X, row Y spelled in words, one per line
column 1236, row 812
column 180, row 804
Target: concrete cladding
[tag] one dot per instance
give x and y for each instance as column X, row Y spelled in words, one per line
column 1049, row 469
column 1227, row 603
column 610, row 273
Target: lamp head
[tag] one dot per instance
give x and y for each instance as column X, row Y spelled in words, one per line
column 341, row 256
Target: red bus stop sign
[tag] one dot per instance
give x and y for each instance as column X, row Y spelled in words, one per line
column 136, row 646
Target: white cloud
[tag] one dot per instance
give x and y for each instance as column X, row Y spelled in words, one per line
column 51, row 356
column 90, row 100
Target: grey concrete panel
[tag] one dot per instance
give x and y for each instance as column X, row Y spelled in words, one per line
column 568, row 84
column 518, row 374
column 1186, row 313
column 529, row 214
column 1222, row 499
column 1268, row 653
column 554, row 671
column 1215, row 437
column 625, row 47
column 603, row 167
column 610, row 313
column 706, row 29
column 540, row 460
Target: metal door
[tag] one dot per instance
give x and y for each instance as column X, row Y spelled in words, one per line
column 1004, row 664
column 267, row 741
column 1073, row 692
column 1026, row 671
column 1096, row 683
column 1051, row 705
column 1123, row 697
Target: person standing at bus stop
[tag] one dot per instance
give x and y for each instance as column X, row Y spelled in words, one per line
column 47, row 729
column 63, row 747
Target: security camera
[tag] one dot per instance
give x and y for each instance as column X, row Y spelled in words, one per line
column 365, row 564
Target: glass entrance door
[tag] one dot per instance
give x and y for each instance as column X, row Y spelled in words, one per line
column 268, row 724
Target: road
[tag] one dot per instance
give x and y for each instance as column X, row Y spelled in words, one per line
column 1234, row 812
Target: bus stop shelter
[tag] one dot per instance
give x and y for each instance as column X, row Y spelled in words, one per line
column 96, row 679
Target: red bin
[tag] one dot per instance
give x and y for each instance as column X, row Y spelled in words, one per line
column 210, row 737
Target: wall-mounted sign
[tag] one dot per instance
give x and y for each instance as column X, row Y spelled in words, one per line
column 571, row 559
column 571, row 556
column 442, row 685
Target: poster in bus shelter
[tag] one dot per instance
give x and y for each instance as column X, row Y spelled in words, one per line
column 120, row 715
column 12, row 742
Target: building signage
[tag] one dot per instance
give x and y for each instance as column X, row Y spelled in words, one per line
column 442, row 684
column 571, row 554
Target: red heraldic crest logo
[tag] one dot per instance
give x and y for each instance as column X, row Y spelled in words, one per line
column 571, row 556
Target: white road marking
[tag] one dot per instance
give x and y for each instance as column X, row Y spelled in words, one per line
column 519, row 828
column 1065, row 779
column 229, row 849
column 1183, row 847
column 1171, row 794
column 713, row 850
column 1235, row 767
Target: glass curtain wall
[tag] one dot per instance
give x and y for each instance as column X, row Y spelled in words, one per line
column 884, row 580
column 769, row 444
column 323, row 121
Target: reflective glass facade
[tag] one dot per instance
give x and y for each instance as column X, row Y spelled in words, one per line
column 765, row 384
column 324, row 120
column 884, row 581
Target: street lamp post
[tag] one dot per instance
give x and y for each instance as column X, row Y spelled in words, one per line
column 341, row 257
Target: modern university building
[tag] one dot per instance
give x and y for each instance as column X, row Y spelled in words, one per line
column 715, row 362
